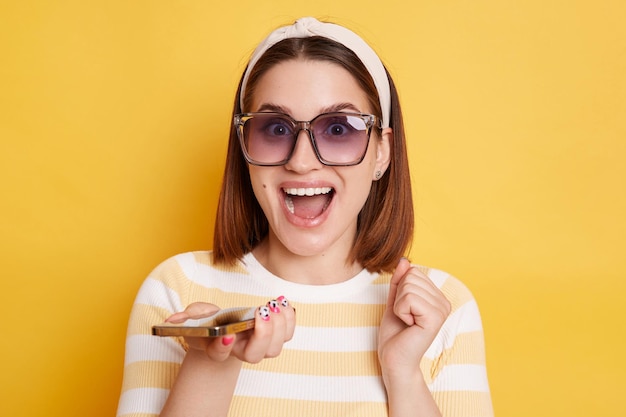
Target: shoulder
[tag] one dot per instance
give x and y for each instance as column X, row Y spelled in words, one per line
column 190, row 272
column 462, row 331
column 453, row 288
column 179, row 277
column 181, row 266
column 463, row 327
column 189, row 264
column 177, row 273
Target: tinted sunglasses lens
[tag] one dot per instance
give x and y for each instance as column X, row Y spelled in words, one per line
column 268, row 139
column 341, row 138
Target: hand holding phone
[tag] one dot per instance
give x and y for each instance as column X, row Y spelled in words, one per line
column 224, row 322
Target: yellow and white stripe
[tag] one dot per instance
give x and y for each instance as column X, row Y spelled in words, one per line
column 330, row 366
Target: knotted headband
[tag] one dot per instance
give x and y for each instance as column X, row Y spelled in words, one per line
column 309, row 26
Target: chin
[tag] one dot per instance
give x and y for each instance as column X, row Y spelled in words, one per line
column 304, row 248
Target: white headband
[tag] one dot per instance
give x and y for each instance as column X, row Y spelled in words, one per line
column 309, row 26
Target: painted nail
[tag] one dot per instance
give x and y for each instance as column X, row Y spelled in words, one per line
column 264, row 312
column 273, row 305
column 283, row 301
column 227, row 340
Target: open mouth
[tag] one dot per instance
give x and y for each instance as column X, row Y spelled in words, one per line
column 308, row 203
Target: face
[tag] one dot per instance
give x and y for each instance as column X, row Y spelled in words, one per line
column 312, row 208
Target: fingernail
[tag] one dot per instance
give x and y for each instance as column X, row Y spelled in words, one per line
column 283, row 301
column 273, row 305
column 227, row 340
column 264, row 312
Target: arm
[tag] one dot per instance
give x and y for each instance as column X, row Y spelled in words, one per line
column 416, row 310
column 202, row 384
column 410, row 396
column 455, row 366
column 155, row 365
column 145, row 354
column 209, row 372
column 450, row 347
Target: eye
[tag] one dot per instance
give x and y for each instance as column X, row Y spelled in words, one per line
column 337, row 129
column 277, row 127
column 338, row 126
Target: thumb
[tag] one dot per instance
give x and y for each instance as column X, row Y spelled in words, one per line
column 195, row 310
column 403, row 266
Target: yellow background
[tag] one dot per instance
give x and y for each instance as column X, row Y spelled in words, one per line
column 113, row 120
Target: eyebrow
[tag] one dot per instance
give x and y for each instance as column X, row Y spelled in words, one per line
column 338, row 107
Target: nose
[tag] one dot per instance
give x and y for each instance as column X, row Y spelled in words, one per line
column 303, row 158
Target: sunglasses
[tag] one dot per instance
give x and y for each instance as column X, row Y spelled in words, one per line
column 338, row 139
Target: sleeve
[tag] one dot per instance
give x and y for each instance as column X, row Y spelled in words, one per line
column 455, row 364
column 151, row 362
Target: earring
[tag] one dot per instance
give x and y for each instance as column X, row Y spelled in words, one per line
column 378, row 175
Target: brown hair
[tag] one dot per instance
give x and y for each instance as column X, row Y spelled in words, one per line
column 385, row 223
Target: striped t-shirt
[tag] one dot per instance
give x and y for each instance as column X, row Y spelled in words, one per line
column 329, row 368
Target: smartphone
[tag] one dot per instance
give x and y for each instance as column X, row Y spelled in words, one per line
column 224, row 322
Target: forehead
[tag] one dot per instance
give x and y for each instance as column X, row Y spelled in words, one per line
column 305, row 88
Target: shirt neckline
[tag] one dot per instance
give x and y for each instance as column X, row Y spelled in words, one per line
column 327, row 292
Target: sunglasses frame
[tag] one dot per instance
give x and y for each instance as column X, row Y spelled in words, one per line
column 240, row 120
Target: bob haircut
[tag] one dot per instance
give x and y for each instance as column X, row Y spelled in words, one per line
column 385, row 223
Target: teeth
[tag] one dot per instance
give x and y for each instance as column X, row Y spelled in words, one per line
column 307, row 191
column 289, row 203
column 302, row 192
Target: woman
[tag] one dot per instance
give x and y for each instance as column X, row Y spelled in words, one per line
column 315, row 207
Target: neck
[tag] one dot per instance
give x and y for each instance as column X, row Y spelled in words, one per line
column 327, row 268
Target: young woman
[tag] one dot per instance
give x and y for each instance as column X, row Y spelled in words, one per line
column 315, row 214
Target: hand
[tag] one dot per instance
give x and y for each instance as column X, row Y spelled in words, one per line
column 416, row 310
column 274, row 325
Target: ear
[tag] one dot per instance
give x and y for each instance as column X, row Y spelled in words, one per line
column 383, row 153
